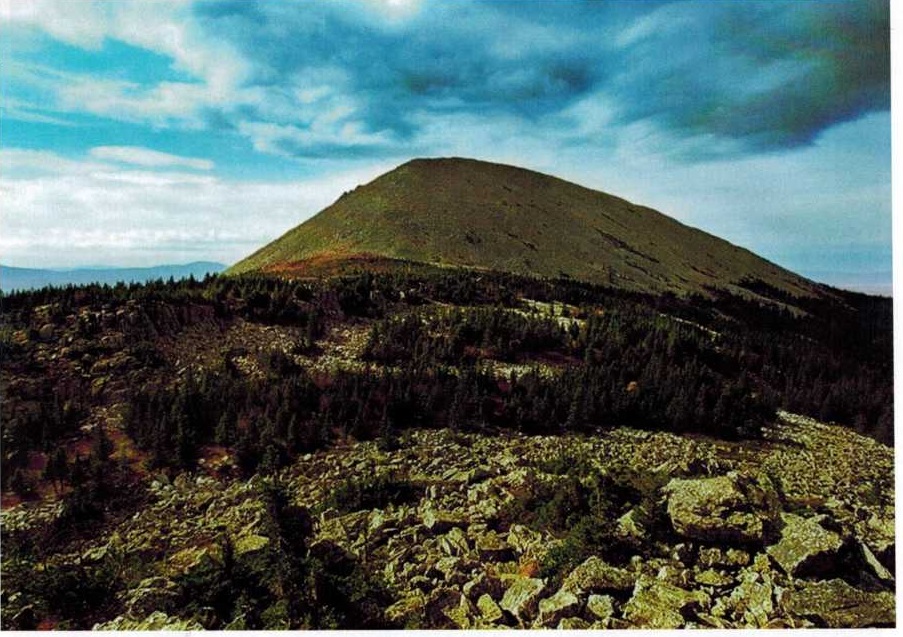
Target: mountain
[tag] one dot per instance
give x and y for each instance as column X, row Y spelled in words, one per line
column 463, row 212
column 28, row 279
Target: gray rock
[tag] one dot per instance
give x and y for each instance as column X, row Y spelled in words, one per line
column 659, row 605
column 596, row 576
column 555, row 608
column 836, row 604
column 522, row 598
column 806, row 548
column 730, row 509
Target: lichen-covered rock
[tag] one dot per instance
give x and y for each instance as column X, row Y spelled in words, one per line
column 729, row 559
column 491, row 548
column 490, row 612
column 836, row 604
column 806, row 548
column 632, row 525
column 151, row 594
column 728, row 509
column 250, row 543
column 711, row 577
column 555, row 608
column 656, row 604
column 751, row 603
column 871, row 565
column 454, row 542
column 878, row 532
column 483, row 584
column 408, row 610
column 439, row 603
column 525, row 540
column 596, row 576
column 521, row 599
column 439, row 522
column 602, row 607
column 573, row 623
column 463, row 615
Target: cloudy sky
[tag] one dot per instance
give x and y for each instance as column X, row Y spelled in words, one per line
column 166, row 131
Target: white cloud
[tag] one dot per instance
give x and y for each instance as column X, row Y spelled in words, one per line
column 161, row 26
column 82, row 24
column 72, row 213
column 147, row 157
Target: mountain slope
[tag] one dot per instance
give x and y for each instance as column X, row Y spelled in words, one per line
column 460, row 212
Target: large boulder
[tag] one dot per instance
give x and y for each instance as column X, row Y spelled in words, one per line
column 522, row 598
column 596, row 576
column 732, row 509
column 658, row 605
column 555, row 608
column 806, row 548
column 836, row 604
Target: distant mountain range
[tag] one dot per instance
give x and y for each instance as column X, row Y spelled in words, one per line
column 457, row 212
column 12, row 278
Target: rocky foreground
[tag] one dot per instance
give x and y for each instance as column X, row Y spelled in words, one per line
column 624, row 529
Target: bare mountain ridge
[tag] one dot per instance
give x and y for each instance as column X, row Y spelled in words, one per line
column 468, row 213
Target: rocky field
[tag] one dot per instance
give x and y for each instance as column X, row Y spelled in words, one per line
column 441, row 529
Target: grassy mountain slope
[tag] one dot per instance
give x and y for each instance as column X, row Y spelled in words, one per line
column 461, row 212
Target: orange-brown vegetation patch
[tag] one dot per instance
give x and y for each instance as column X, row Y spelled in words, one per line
column 336, row 263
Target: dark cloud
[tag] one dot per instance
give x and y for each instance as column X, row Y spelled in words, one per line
column 760, row 75
column 769, row 75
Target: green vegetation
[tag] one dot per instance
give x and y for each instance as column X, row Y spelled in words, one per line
column 466, row 213
column 106, row 389
column 374, row 490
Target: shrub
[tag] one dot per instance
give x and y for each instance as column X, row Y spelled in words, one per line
column 374, row 491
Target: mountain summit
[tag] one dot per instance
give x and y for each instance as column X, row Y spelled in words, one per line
column 475, row 214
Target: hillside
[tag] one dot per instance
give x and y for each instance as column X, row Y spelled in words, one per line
column 441, row 447
column 462, row 212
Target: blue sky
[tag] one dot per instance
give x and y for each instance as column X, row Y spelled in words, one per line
column 145, row 132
